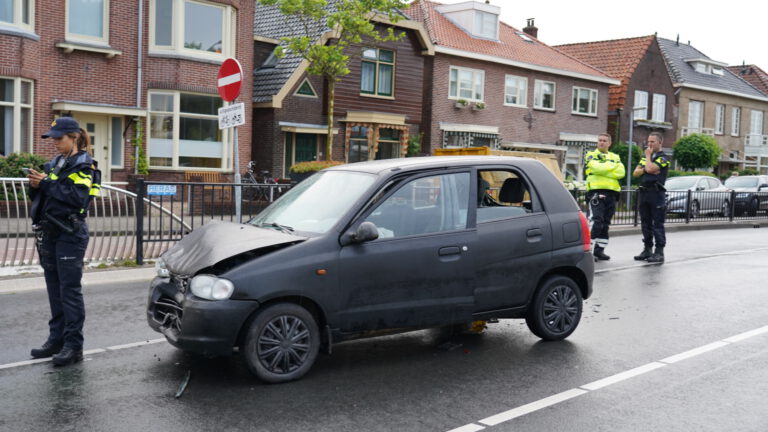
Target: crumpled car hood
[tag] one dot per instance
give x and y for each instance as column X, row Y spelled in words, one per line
column 218, row 240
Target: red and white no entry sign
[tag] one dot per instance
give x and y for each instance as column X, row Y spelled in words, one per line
column 230, row 79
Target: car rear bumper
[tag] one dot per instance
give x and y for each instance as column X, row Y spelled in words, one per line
column 192, row 324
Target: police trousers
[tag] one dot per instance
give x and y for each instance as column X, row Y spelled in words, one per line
column 61, row 256
column 653, row 209
column 601, row 206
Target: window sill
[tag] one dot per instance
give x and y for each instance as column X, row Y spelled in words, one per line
column 516, row 106
column 544, row 109
column 12, row 30
column 653, row 124
column 184, row 56
column 584, row 114
column 69, row 47
column 376, row 96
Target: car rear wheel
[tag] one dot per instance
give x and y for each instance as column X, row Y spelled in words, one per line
column 753, row 206
column 556, row 309
column 694, row 209
column 282, row 343
column 725, row 209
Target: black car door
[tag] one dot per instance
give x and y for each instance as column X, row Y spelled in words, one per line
column 419, row 272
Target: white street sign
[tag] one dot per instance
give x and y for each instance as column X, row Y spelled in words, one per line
column 231, row 116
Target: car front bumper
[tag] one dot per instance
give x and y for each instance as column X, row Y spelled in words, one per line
column 192, row 324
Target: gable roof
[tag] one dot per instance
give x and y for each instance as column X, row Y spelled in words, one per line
column 753, row 75
column 619, row 58
column 684, row 75
column 510, row 49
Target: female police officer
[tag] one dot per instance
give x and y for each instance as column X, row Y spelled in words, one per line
column 60, row 198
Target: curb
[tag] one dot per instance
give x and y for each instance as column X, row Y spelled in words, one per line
column 623, row 230
column 24, row 284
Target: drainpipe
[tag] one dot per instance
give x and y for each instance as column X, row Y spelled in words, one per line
column 139, row 53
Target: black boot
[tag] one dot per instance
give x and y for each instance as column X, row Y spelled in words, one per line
column 67, row 356
column 48, row 349
column 644, row 255
column 600, row 255
column 658, row 256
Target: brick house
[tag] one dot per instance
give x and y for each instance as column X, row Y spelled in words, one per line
column 713, row 100
column 377, row 106
column 640, row 66
column 490, row 84
column 110, row 64
column 753, row 75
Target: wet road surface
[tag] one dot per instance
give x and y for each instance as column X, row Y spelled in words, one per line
column 712, row 288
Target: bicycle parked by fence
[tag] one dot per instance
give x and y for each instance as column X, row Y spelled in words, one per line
column 263, row 187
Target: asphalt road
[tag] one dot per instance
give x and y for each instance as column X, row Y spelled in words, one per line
column 712, row 288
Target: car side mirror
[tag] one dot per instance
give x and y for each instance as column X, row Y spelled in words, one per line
column 367, row 231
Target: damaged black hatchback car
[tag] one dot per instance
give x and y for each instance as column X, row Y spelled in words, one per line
column 366, row 248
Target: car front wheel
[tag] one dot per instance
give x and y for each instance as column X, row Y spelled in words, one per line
column 556, row 309
column 282, row 343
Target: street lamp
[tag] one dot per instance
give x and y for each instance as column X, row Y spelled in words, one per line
column 629, row 145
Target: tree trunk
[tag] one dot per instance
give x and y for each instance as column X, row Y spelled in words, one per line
column 329, row 138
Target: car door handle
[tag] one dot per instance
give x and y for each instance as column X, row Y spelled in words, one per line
column 534, row 232
column 449, row 250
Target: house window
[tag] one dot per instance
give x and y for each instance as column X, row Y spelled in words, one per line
column 456, row 139
column 306, row 90
column 719, row 119
column 389, row 144
column 17, row 13
column 194, row 28
column 756, row 123
column 88, row 20
column 641, row 100
column 515, row 90
column 358, row 144
column 466, row 84
column 695, row 116
column 117, row 142
column 299, row 147
column 659, row 107
column 585, row 101
column 15, row 116
column 544, row 95
column 735, row 121
column 377, row 73
column 184, row 131
column 486, row 24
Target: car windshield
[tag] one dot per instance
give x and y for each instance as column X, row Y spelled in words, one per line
column 315, row 204
column 741, row 182
column 679, row 183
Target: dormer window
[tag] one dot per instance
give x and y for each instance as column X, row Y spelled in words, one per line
column 707, row 66
column 486, row 25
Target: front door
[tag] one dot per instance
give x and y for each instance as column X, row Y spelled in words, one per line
column 97, row 127
column 306, row 147
column 420, row 271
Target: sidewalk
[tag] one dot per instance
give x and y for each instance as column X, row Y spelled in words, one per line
column 624, row 230
column 26, row 283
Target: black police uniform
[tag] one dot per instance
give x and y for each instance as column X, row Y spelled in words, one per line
column 59, row 209
column 652, row 207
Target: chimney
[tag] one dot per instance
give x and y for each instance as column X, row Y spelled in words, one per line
column 531, row 29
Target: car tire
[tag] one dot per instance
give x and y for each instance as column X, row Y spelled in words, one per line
column 695, row 209
column 725, row 208
column 282, row 343
column 556, row 309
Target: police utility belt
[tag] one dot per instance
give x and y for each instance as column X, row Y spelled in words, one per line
column 652, row 187
column 53, row 225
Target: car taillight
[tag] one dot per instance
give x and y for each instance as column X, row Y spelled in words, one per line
column 585, row 236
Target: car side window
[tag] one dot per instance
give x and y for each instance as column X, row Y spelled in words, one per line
column 713, row 184
column 424, row 205
column 502, row 194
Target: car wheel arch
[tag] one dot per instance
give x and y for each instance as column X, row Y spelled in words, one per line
column 570, row 272
column 307, row 303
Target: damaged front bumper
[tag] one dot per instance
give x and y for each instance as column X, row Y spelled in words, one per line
column 189, row 323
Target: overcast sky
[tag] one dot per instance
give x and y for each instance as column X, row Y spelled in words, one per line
column 730, row 32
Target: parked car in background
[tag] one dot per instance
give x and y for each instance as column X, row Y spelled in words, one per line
column 751, row 193
column 377, row 247
column 708, row 196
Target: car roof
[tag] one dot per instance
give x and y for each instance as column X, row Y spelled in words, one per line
column 379, row 167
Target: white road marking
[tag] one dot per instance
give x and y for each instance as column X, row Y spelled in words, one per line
column 605, row 382
column 681, row 261
column 135, row 344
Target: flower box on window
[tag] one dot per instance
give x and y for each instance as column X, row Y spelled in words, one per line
column 478, row 106
column 461, row 103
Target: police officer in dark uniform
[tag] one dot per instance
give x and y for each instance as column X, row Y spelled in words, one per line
column 60, row 199
column 652, row 171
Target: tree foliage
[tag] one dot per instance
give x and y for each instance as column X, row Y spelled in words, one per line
column 350, row 23
column 697, row 151
column 620, row 148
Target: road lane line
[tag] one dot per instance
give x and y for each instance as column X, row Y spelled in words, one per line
column 531, row 407
column 680, row 261
column 94, row 351
column 468, row 428
column 136, row 344
column 694, row 352
column 24, row 363
column 747, row 335
column 613, row 379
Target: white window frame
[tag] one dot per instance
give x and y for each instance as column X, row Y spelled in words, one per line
column 16, row 144
column 592, row 101
column 719, row 119
column 476, row 73
column 17, row 16
column 537, row 96
column 735, row 121
column 641, row 100
column 226, row 162
column 228, row 30
column 312, row 96
column 479, row 25
column 700, row 123
column 659, row 112
column 760, row 116
column 103, row 40
column 522, row 90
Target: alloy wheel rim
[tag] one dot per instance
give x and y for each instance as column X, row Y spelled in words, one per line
column 560, row 309
column 283, row 345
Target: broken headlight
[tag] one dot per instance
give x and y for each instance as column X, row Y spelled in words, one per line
column 160, row 268
column 210, row 287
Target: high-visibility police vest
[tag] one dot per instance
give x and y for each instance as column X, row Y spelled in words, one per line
column 603, row 170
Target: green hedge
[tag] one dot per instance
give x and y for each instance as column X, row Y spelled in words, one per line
column 11, row 166
column 312, row 166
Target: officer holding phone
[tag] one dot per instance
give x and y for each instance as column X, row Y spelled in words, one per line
column 652, row 171
column 61, row 195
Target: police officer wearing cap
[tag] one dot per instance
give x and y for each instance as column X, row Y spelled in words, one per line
column 604, row 170
column 652, row 171
column 60, row 199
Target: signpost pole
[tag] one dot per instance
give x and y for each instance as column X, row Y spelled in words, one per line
column 229, row 82
column 238, row 188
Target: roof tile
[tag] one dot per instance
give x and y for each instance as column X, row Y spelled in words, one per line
column 753, row 75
